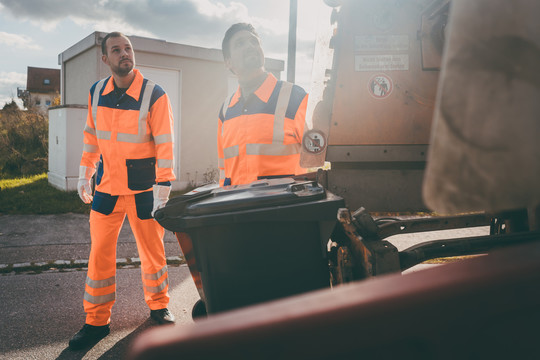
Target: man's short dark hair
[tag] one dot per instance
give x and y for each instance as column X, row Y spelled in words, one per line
column 225, row 48
column 109, row 35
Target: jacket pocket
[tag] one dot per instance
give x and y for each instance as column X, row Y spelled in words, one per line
column 141, row 173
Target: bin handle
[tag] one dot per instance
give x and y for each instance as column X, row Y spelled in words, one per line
column 303, row 186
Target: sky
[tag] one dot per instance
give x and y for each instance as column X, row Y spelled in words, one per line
column 34, row 32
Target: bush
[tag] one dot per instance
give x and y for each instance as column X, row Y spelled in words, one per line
column 23, row 142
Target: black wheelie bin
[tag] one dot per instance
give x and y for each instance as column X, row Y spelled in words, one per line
column 252, row 243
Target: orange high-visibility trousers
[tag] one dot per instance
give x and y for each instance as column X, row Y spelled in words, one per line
column 100, row 288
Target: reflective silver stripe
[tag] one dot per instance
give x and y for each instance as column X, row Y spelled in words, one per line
column 277, row 148
column 141, row 136
column 133, row 138
column 155, row 276
column 103, row 134
column 90, row 148
column 231, row 151
column 221, row 162
column 95, row 98
column 279, row 115
column 162, row 139
column 156, row 289
column 273, row 149
column 101, row 299
column 90, row 130
column 221, row 174
column 165, row 163
column 96, row 284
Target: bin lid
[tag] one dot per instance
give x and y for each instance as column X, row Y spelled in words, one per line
column 259, row 194
column 265, row 200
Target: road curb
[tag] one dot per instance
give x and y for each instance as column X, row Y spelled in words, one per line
column 74, row 265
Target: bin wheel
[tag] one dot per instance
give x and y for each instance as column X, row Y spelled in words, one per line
column 199, row 310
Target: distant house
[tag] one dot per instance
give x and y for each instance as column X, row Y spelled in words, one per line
column 42, row 87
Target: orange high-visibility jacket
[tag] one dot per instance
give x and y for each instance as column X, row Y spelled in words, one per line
column 261, row 136
column 132, row 133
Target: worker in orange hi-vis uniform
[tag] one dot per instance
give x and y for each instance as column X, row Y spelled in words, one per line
column 261, row 125
column 129, row 134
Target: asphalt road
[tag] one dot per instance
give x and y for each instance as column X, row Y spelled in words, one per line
column 42, row 274
column 44, row 238
column 40, row 312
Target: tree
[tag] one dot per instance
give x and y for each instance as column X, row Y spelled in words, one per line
column 11, row 106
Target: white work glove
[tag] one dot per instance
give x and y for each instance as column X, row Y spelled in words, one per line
column 161, row 196
column 84, row 186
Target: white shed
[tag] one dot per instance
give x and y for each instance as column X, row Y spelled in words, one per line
column 195, row 79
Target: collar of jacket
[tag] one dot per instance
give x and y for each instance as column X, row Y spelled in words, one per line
column 263, row 92
column 134, row 89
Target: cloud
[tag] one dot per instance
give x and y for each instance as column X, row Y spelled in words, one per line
column 115, row 25
column 12, row 78
column 219, row 10
column 7, row 99
column 9, row 81
column 168, row 19
column 194, row 22
column 51, row 10
column 18, row 41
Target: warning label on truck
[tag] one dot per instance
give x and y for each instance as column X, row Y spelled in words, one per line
column 314, row 141
column 381, row 43
column 380, row 86
column 381, row 62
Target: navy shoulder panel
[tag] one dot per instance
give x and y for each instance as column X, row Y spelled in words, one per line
column 298, row 91
column 156, row 94
column 297, row 96
column 93, row 88
column 225, row 106
column 221, row 116
column 257, row 106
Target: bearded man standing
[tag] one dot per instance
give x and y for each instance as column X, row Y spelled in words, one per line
column 129, row 135
column 260, row 127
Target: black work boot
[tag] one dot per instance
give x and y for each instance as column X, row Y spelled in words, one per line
column 89, row 335
column 162, row 316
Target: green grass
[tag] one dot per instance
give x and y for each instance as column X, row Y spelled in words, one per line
column 34, row 195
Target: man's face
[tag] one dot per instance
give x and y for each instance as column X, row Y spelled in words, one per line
column 120, row 56
column 246, row 53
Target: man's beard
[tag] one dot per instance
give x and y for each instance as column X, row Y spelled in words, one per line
column 122, row 70
column 253, row 62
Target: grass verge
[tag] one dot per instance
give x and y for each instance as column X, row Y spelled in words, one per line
column 34, row 195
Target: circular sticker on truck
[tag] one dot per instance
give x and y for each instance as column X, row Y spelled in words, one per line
column 380, row 86
column 314, row 141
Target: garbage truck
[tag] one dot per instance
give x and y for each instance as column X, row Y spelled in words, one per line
column 424, row 107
